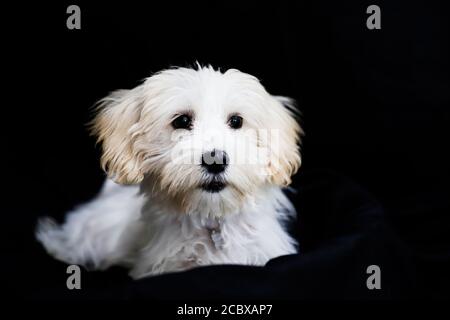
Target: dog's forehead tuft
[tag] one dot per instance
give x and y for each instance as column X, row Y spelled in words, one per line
column 182, row 77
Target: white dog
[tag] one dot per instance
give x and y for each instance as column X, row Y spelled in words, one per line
column 200, row 158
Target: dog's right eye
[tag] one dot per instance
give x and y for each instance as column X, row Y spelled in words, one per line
column 183, row 121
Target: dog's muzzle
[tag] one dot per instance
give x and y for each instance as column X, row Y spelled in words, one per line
column 214, row 163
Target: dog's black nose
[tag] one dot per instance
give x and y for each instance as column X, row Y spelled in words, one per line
column 215, row 161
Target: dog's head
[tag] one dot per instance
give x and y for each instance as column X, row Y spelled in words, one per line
column 203, row 139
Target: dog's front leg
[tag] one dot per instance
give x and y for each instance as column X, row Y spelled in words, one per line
column 98, row 234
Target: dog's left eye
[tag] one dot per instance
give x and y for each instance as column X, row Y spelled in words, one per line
column 235, row 122
column 183, row 121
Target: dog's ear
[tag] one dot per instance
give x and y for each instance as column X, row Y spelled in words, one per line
column 116, row 125
column 283, row 140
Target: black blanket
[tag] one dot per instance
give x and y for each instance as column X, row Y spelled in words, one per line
column 341, row 229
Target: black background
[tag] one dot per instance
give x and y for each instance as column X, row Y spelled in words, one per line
column 375, row 109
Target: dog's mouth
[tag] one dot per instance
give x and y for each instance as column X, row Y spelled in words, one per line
column 214, row 185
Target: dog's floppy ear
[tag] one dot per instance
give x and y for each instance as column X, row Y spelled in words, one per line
column 116, row 127
column 284, row 140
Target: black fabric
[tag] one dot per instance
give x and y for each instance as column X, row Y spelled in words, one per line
column 339, row 238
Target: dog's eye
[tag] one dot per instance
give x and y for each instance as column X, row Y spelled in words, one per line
column 235, row 122
column 183, row 121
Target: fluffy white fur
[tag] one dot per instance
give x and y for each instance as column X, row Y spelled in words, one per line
column 155, row 217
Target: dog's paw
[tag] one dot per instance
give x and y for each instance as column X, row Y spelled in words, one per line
column 68, row 244
column 45, row 225
column 52, row 237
